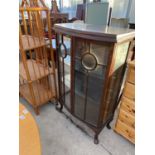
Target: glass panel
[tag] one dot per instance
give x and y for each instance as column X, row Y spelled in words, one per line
column 101, row 52
column 64, row 68
column 78, row 66
column 81, row 47
column 94, row 96
column 98, row 72
column 80, row 81
column 67, row 75
column 67, row 100
column 67, row 62
column 121, row 53
column 63, row 50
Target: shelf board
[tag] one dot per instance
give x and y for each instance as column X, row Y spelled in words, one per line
column 36, row 70
column 31, row 42
column 39, row 90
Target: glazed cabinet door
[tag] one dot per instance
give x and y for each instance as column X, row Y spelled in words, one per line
column 89, row 70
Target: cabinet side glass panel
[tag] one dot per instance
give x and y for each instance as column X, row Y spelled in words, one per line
column 64, row 70
column 121, row 54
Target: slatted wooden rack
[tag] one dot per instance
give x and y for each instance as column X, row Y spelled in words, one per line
column 36, row 70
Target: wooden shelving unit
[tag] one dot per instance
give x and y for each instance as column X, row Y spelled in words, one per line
column 31, row 42
column 36, row 68
column 41, row 93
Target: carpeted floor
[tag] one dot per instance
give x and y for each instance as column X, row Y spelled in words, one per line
column 60, row 136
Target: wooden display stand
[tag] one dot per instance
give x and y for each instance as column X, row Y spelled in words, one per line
column 37, row 71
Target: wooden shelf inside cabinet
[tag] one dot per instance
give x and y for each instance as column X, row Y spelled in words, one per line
column 42, row 94
column 31, row 42
column 36, row 70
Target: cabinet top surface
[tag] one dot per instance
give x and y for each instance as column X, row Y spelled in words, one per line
column 113, row 34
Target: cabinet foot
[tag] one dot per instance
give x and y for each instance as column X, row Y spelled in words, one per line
column 96, row 141
column 108, row 124
column 59, row 106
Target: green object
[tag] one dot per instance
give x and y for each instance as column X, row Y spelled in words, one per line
column 97, row 13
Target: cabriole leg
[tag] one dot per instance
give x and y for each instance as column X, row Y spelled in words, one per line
column 96, row 141
column 108, row 124
column 59, row 106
